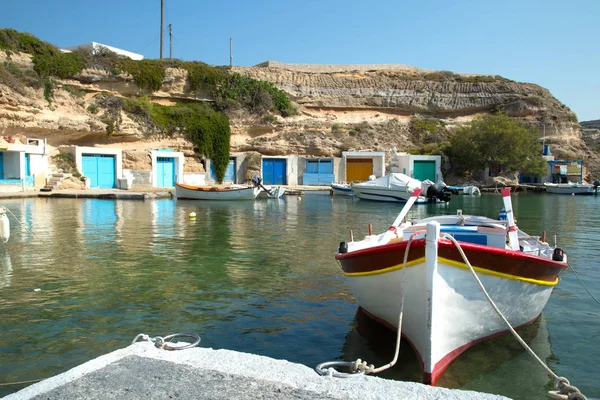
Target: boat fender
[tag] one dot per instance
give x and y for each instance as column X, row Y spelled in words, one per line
column 558, row 255
column 4, row 227
column 343, row 248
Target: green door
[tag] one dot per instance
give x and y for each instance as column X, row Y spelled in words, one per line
column 424, row 170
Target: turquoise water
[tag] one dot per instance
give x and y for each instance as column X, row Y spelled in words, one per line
column 260, row 277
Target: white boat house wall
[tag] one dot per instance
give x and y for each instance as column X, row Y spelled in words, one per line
column 23, row 166
column 101, row 165
column 417, row 166
column 167, row 167
column 357, row 166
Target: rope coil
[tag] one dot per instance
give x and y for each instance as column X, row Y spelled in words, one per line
column 165, row 344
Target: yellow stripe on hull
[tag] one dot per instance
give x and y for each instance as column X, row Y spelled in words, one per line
column 456, row 264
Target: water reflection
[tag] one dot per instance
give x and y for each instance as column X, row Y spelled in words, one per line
column 256, row 276
column 485, row 367
column 6, row 268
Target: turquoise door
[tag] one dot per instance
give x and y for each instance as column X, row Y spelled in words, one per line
column 100, row 168
column 229, row 172
column 1, row 165
column 423, row 170
column 165, row 171
column 27, row 165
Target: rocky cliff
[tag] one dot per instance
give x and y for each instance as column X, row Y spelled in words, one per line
column 375, row 107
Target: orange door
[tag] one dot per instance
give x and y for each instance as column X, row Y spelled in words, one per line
column 358, row 169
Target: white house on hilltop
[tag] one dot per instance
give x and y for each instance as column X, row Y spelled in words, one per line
column 95, row 46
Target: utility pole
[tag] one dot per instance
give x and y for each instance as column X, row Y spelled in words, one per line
column 162, row 26
column 230, row 54
column 170, row 42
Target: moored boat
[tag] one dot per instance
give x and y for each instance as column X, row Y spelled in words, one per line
column 341, row 189
column 444, row 307
column 191, row 192
column 396, row 187
column 570, row 188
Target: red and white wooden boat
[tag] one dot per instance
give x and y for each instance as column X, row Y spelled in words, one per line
column 445, row 311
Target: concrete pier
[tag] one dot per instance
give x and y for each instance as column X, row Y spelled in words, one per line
column 141, row 371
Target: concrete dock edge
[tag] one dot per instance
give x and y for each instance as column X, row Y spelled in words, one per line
column 142, row 371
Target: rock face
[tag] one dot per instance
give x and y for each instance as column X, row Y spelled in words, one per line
column 340, row 108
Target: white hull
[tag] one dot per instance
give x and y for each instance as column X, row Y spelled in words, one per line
column 381, row 194
column 342, row 189
column 275, row 192
column 445, row 310
column 431, row 314
column 578, row 189
column 200, row 193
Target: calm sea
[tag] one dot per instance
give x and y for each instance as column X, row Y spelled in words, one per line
column 260, row 277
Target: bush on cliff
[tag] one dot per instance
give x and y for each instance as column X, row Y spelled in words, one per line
column 208, row 129
column 496, row 140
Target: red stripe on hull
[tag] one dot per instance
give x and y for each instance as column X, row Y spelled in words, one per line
column 441, row 366
column 509, row 262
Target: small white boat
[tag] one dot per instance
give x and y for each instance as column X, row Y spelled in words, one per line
column 183, row 191
column 341, row 189
column 272, row 192
column 570, row 188
column 444, row 309
column 471, row 190
column 4, row 225
column 396, row 187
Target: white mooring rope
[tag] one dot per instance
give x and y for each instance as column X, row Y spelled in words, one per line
column 360, row 367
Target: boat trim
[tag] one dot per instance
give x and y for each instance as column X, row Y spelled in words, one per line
column 543, row 271
column 456, row 264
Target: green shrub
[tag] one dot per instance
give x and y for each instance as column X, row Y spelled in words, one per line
column 62, row 65
column 74, row 91
column 200, row 74
column 93, row 108
column 49, row 88
column 9, row 79
column 147, row 74
column 11, row 40
column 257, row 96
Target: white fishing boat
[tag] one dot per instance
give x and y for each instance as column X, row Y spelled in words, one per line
column 191, row 192
column 433, row 295
column 341, row 189
column 570, row 188
column 396, row 187
column 272, row 192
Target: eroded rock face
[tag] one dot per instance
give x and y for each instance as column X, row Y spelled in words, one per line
column 369, row 108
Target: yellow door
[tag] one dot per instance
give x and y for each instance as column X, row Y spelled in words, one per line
column 358, row 169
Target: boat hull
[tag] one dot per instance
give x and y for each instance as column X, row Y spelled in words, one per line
column 381, row 194
column 445, row 311
column 341, row 189
column 570, row 189
column 211, row 193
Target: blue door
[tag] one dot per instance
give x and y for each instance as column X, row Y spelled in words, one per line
column 229, row 171
column 1, row 165
column 100, row 168
column 27, row 165
column 274, row 171
column 165, row 171
column 318, row 172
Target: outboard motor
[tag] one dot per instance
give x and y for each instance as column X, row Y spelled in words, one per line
column 343, row 248
column 558, row 255
column 436, row 191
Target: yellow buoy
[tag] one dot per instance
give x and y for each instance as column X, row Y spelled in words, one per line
column 192, row 215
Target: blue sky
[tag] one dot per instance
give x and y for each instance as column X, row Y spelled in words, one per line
column 555, row 44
